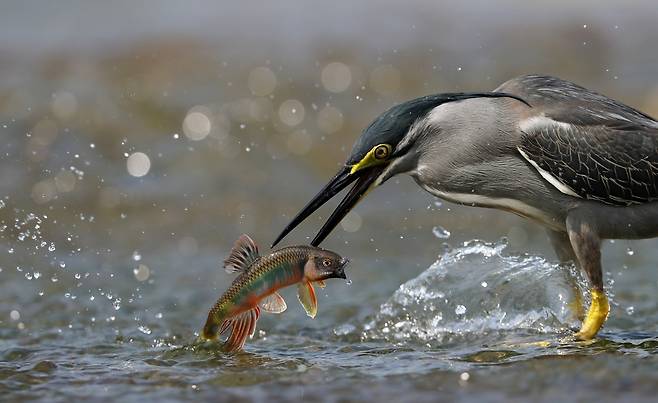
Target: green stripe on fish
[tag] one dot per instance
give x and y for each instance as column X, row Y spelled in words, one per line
column 259, row 279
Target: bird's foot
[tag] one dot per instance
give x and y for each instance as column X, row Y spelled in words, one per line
column 596, row 316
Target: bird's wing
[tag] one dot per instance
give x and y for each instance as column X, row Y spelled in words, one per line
column 588, row 145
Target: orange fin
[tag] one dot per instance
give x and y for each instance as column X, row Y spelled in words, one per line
column 243, row 254
column 273, row 303
column 321, row 283
column 306, row 295
column 242, row 326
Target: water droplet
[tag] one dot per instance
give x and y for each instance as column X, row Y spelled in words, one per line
column 144, row 329
column 142, row 272
column 348, row 282
column 51, row 248
column 484, row 284
column 117, row 304
column 465, row 376
column 440, row 232
column 158, row 315
column 10, row 250
column 460, row 310
column 62, row 265
column 630, row 310
column 137, row 256
column 15, row 315
column 630, row 252
column 54, row 279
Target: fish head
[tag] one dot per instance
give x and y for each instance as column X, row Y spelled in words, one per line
column 324, row 264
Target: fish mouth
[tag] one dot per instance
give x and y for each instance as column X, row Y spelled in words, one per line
column 340, row 271
column 364, row 179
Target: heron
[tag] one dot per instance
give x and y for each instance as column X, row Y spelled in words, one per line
column 581, row 164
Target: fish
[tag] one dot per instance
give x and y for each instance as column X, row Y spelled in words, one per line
column 259, row 278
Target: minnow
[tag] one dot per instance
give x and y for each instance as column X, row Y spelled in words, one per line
column 257, row 284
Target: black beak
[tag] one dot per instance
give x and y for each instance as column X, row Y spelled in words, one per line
column 364, row 179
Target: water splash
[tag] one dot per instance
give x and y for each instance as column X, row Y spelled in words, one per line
column 440, row 232
column 478, row 289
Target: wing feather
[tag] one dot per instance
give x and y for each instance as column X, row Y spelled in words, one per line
column 600, row 148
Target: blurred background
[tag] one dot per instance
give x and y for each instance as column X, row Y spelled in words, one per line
column 139, row 139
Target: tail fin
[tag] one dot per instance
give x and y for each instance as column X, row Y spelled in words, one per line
column 242, row 326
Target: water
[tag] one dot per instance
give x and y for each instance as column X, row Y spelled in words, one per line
column 133, row 158
column 138, row 340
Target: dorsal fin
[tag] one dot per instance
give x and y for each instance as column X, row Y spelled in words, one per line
column 243, row 254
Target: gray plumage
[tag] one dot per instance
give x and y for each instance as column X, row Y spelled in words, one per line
column 579, row 163
column 607, row 151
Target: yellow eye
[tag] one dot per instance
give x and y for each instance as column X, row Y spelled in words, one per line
column 326, row 262
column 381, row 151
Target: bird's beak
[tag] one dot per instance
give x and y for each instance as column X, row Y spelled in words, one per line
column 364, row 179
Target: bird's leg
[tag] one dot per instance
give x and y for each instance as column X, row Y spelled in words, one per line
column 587, row 247
column 562, row 247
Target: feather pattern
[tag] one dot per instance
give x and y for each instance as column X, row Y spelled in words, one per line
column 599, row 148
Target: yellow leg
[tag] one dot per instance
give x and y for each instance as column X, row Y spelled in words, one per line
column 576, row 305
column 596, row 316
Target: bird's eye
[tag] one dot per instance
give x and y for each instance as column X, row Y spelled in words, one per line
column 381, row 151
column 326, row 262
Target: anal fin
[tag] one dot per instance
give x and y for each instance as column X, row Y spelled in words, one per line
column 242, row 326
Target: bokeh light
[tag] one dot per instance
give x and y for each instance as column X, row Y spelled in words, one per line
column 138, row 164
column 196, row 124
column 291, row 112
column 261, row 81
column 336, row 77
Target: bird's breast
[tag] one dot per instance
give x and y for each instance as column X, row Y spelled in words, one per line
column 501, row 203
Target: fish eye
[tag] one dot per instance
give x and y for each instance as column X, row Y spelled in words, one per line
column 381, row 151
column 326, row 262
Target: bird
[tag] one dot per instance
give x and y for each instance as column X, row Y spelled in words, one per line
column 578, row 163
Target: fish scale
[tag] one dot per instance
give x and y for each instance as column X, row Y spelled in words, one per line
column 259, row 279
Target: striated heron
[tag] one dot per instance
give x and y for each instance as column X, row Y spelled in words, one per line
column 581, row 164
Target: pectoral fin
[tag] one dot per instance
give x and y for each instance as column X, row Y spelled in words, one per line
column 306, row 295
column 273, row 303
column 321, row 283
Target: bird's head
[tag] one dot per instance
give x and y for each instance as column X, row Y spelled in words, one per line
column 382, row 151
